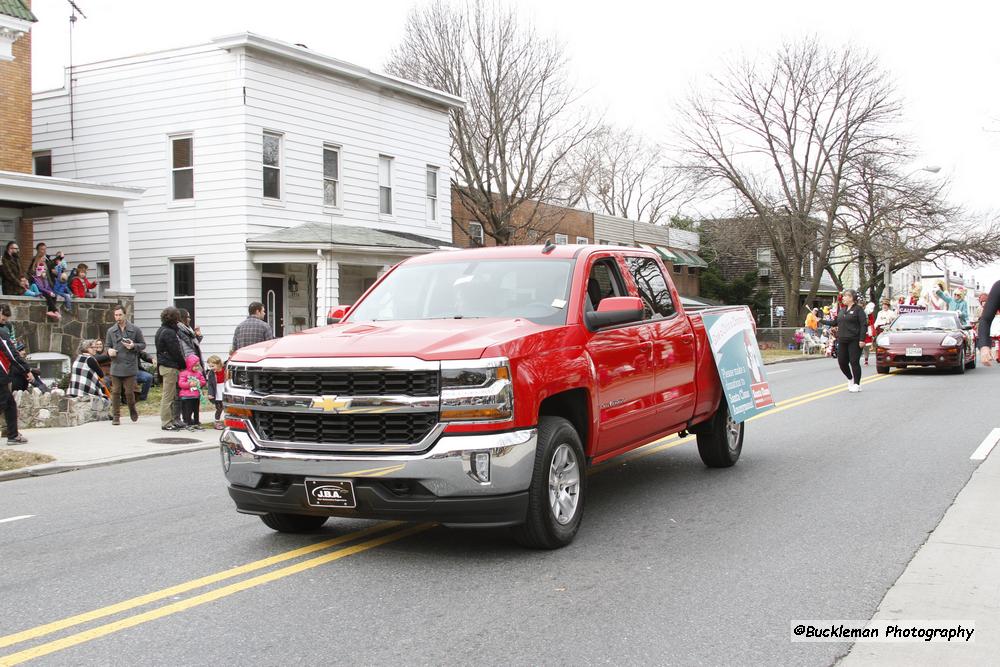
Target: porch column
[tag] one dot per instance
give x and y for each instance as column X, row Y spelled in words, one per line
column 327, row 286
column 120, row 262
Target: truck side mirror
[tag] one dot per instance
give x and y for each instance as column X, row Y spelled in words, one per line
column 614, row 311
column 337, row 313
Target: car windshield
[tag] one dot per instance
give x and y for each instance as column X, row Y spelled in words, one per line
column 533, row 289
column 926, row 321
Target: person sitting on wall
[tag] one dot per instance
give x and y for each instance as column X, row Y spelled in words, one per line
column 31, row 289
column 79, row 285
column 86, row 376
column 11, row 270
column 61, row 288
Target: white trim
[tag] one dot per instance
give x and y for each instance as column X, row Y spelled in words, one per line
column 171, row 295
column 330, row 65
column 431, row 201
column 391, row 215
column 338, row 190
column 56, row 191
column 565, row 239
column 586, row 241
column 173, row 201
column 481, row 238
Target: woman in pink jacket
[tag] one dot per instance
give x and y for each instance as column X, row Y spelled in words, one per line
column 189, row 385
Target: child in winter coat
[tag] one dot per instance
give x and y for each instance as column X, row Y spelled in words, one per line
column 216, row 386
column 190, row 383
column 61, row 288
column 79, row 285
column 31, row 289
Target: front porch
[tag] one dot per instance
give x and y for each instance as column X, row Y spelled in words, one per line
column 308, row 270
column 27, row 197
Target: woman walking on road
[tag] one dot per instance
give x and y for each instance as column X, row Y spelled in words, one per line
column 984, row 340
column 852, row 328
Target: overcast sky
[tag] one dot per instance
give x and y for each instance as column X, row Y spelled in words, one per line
column 635, row 59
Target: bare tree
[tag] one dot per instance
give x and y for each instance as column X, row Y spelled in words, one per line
column 891, row 220
column 779, row 136
column 511, row 141
column 619, row 172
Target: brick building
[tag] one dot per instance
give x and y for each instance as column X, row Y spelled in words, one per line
column 562, row 225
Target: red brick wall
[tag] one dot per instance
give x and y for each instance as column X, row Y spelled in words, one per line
column 15, row 109
column 550, row 220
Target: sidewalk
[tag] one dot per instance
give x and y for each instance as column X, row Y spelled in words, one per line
column 954, row 576
column 100, row 443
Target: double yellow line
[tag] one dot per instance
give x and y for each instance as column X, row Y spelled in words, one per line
column 390, row 532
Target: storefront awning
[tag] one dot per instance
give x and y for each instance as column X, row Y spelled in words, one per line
column 688, row 258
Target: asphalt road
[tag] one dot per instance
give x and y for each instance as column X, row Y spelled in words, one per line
column 675, row 563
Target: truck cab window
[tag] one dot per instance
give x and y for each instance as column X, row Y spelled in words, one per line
column 652, row 286
column 604, row 281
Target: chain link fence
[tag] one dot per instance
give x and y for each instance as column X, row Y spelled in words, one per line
column 790, row 340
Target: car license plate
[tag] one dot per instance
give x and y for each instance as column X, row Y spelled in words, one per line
column 330, row 493
column 914, row 351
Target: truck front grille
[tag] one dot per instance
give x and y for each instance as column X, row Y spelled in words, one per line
column 345, row 383
column 356, row 429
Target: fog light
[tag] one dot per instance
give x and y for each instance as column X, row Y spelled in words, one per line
column 481, row 466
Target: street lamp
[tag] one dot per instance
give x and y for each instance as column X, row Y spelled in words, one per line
column 930, row 169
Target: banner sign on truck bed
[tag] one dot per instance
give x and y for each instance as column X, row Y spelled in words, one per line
column 738, row 360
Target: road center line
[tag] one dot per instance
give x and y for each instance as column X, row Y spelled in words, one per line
column 16, row 518
column 204, row 598
column 132, row 603
column 166, row 610
column 983, row 450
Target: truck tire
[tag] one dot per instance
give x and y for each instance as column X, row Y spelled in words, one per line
column 558, row 486
column 720, row 445
column 292, row 523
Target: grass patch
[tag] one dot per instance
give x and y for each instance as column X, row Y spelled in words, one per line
column 151, row 406
column 12, row 459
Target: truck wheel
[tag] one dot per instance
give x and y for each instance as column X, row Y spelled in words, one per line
column 721, row 444
column 882, row 370
column 557, row 491
column 292, row 523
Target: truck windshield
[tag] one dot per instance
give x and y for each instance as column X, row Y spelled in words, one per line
column 533, row 289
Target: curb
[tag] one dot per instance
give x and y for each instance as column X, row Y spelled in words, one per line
column 55, row 468
column 794, row 360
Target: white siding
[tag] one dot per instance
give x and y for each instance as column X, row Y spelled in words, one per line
column 124, row 112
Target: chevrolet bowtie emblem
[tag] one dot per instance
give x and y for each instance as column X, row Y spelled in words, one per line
column 329, row 403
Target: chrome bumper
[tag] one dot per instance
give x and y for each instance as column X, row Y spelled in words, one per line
column 445, row 470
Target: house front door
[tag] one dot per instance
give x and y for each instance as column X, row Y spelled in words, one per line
column 273, row 298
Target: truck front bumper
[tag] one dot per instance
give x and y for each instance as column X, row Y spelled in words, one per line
column 438, row 485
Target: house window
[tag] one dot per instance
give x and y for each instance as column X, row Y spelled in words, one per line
column 181, row 168
column 604, row 242
column 476, row 233
column 692, row 271
column 678, row 268
column 103, row 277
column 561, row 239
column 272, row 165
column 42, row 163
column 384, row 185
column 331, row 176
column 582, row 240
column 182, row 283
column 764, row 256
column 432, row 194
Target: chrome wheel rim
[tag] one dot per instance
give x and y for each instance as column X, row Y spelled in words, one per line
column 564, row 484
column 732, row 433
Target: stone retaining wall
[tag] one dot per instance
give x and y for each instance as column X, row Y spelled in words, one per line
column 90, row 319
column 38, row 410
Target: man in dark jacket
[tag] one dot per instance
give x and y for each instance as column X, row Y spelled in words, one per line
column 124, row 342
column 11, row 366
column 170, row 360
column 11, row 270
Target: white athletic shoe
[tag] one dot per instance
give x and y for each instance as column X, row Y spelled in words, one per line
column 850, row 386
column 854, row 388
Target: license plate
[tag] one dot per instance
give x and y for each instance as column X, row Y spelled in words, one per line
column 914, row 351
column 330, row 493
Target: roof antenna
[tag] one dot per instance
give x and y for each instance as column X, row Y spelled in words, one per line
column 72, row 22
column 549, row 247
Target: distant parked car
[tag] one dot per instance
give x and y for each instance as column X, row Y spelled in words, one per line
column 929, row 340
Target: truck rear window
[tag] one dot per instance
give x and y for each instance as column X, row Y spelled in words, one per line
column 536, row 290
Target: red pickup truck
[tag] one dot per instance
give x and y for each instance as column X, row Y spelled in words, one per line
column 473, row 387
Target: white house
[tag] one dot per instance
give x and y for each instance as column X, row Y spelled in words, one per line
column 269, row 173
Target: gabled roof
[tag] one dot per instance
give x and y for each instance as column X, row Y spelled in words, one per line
column 17, row 9
column 347, row 70
column 319, row 233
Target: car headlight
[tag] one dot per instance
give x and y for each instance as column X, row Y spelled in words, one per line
column 477, row 391
column 238, row 376
column 882, row 340
column 950, row 341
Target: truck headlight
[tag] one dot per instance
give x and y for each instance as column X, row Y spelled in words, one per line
column 950, row 341
column 238, row 376
column 479, row 390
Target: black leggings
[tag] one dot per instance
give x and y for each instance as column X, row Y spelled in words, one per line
column 849, row 357
column 190, row 408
